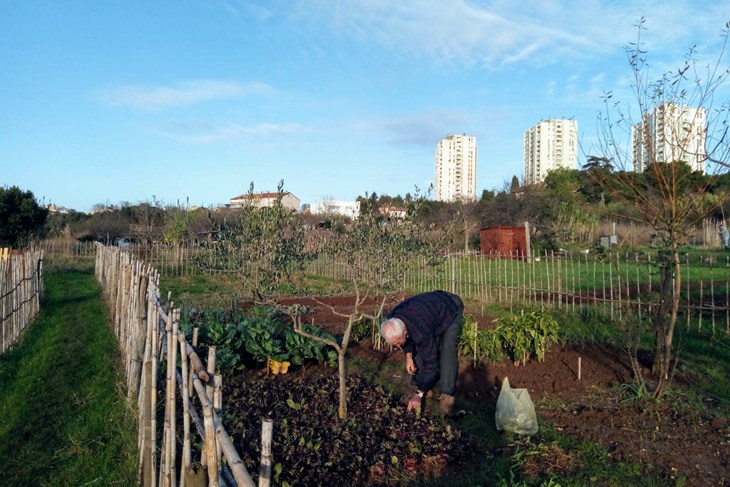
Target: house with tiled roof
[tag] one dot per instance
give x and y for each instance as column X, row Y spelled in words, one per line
column 265, row 200
column 392, row 211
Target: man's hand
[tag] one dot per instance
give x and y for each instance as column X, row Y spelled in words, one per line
column 415, row 403
column 410, row 364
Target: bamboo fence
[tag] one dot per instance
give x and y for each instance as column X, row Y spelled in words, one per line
column 615, row 283
column 151, row 343
column 615, row 280
column 21, row 288
column 68, row 246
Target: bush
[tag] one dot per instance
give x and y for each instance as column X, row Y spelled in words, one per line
column 527, row 335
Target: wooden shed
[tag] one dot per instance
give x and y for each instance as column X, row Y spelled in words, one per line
column 504, row 242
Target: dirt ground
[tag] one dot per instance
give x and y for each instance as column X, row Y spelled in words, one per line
column 675, row 438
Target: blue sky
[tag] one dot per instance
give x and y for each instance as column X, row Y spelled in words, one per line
column 103, row 102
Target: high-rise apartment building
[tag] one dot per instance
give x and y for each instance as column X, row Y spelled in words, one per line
column 549, row 145
column 674, row 133
column 456, row 168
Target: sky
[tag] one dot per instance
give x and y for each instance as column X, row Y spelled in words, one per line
column 188, row 102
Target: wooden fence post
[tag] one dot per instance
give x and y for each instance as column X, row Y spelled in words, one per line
column 186, row 455
column 266, row 455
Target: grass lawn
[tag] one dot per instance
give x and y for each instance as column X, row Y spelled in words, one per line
column 64, row 417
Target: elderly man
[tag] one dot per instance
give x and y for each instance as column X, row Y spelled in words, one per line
column 426, row 327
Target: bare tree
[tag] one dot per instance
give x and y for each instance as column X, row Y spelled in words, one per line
column 378, row 255
column 468, row 213
column 669, row 196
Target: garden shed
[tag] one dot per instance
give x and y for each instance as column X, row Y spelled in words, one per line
column 504, row 241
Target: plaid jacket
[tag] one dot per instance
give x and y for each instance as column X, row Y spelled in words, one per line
column 426, row 317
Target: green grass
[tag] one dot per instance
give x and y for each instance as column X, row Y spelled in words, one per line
column 706, row 358
column 64, row 419
column 201, row 291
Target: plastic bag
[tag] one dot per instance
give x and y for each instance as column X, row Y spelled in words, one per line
column 515, row 411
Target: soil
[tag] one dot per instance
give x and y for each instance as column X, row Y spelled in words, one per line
column 677, row 438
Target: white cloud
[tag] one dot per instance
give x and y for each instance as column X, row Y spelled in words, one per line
column 201, row 132
column 495, row 33
column 187, row 93
column 457, row 31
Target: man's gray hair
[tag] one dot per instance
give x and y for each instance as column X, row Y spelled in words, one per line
column 392, row 329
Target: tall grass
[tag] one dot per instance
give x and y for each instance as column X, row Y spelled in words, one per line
column 63, row 420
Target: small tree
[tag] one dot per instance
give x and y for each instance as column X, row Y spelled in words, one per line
column 21, row 218
column 177, row 230
column 265, row 246
column 669, row 196
column 378, row 255
column 564, row 212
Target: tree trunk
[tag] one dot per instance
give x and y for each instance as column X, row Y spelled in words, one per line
column 342, row 372
column 466, row 237
column 672, row 272
column 662, row 313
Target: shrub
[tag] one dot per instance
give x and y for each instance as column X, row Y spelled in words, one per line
column 527, row 335
column 520, row 337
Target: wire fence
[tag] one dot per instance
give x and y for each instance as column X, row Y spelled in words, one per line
column 21, row 287
column 613, row 281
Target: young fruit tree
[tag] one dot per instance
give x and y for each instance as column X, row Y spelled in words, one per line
column 377, row 255
column 678, row 124
column 263, row 245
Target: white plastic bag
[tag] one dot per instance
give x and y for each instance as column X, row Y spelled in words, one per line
column 515, row 411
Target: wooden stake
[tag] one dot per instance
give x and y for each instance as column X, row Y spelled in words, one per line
column 579, row 371
column 267, row 458
column 186, row 458
column 218, row 392
column 209, row 448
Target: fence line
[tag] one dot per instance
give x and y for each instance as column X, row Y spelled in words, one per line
column 613, row 281
column 21, row 287
column 150, row 340
column 69, row 247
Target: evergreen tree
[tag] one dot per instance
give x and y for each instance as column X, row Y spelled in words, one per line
column 21, row 218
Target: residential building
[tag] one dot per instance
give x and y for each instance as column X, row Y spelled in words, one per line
column 350, row 209
column 265, row 200
column 550, row 145
column 456, row 168
column 60, row 210
column 392, row 212
column 671, row 133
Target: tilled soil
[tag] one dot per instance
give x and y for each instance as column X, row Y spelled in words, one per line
column 677, row 438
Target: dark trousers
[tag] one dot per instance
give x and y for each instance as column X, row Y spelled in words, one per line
column 448, row 354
